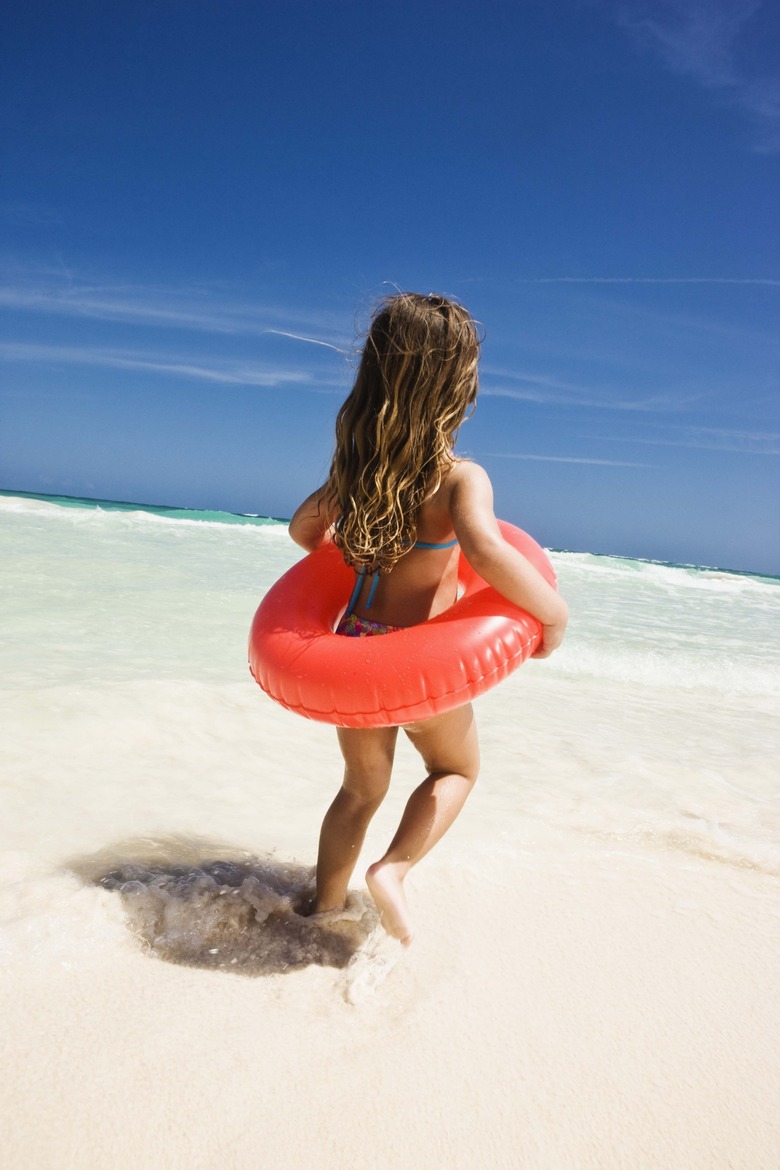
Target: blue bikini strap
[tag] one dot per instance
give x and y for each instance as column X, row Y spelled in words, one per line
column 372, row 590
column 356, row 591
column 424, row 544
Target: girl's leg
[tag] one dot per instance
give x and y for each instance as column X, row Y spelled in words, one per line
column 449, row 747
column 368, row 762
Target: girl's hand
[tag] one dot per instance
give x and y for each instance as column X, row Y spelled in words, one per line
column 552, row 636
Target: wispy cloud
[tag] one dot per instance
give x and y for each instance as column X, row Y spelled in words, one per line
column 231, row 372
column 701, row 39
column 311, row 340
column 549, row 391
column 563, row 459
column 705, row 439
column 202, row 310
column 649, row 280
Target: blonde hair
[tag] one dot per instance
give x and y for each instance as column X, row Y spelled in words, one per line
column 394, row 434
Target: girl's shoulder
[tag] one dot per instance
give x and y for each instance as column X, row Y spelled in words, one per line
column 463, row 466
column 465, row 474
column 468, row 490
column 463, row 485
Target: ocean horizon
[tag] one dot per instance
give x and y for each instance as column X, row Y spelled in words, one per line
column 219, row 516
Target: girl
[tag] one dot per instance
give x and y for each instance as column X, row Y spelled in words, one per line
column 400, row 506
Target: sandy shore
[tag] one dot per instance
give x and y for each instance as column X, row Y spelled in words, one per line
column 574, row 998
column 620, row 1011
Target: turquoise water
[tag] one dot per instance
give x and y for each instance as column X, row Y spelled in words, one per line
column 153, row 509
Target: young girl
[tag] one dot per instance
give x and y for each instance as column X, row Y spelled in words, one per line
column 401, row 507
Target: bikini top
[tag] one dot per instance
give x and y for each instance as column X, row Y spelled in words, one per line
column 421, row 544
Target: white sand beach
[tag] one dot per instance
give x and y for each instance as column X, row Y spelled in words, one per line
column 568, row 1002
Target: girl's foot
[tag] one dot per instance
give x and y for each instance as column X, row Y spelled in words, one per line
column 386, row 888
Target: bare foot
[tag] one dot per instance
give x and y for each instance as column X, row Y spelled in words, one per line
column 353, row 910
column 324, row 916
column 387, row 891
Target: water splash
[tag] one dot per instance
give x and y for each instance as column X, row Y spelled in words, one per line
column 245, row 915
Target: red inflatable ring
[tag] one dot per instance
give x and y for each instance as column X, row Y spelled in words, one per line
column 397, row 678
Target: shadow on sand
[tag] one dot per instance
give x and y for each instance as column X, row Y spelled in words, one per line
column 202, row 904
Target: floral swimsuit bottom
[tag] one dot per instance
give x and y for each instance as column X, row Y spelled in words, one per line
column 352, row 626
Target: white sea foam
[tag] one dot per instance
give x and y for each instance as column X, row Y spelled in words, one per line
column 130, row 516
column 669, row 669
column 672, row 576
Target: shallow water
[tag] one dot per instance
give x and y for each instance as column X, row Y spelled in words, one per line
column 131, row 715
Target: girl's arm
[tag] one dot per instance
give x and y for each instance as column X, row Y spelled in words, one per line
column 503, row 567
column 312, row 523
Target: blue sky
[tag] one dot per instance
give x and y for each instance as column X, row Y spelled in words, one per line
column 203, row 198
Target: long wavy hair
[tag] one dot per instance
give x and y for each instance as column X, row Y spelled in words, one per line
column 416, row 381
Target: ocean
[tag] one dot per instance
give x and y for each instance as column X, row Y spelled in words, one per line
column 597, row 934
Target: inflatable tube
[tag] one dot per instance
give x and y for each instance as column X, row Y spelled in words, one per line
column 395, row 678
